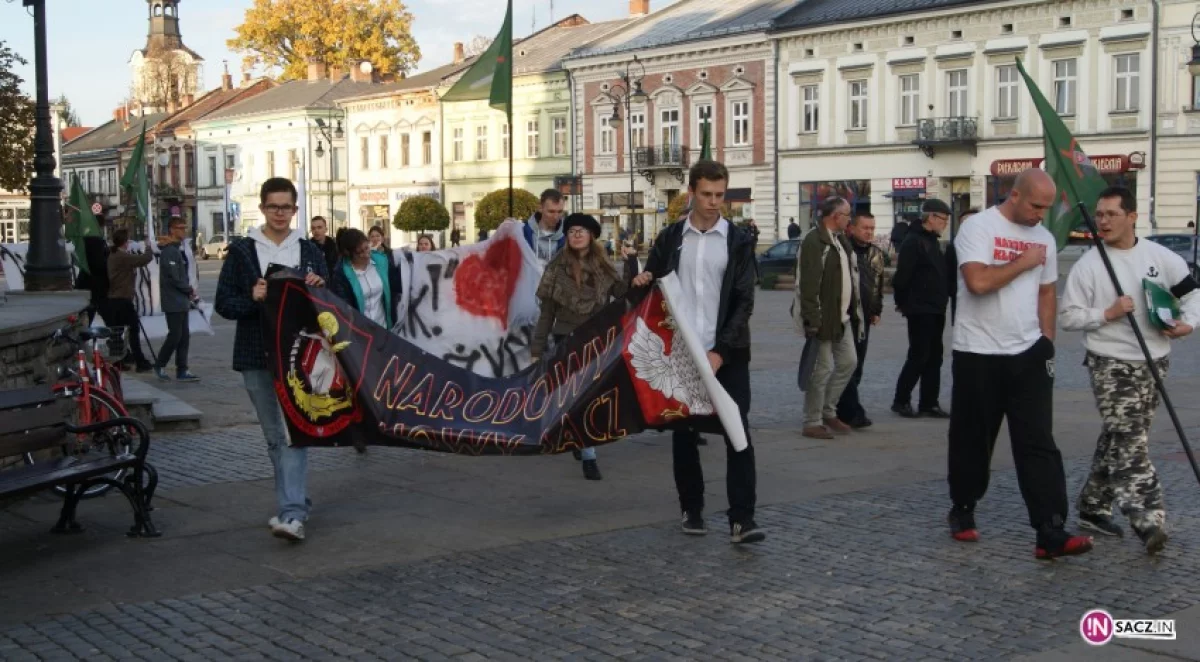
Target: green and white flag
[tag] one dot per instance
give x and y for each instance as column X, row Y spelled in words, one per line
column 491, row 76
column 1073, row 172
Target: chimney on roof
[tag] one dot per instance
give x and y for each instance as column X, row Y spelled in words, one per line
column 458, row 52
column 245, row 79
column 226, row 79
column 639, row 8
column 188, row 99
column 172, row 105
column 362, row 71
column 117, row 114
column 317, row 70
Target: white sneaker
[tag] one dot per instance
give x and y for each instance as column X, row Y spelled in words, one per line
column 291, row 529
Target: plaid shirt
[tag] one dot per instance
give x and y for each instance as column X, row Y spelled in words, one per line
column 238, row 276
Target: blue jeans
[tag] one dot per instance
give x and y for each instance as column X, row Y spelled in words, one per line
column 291, row 464
column 587, row 454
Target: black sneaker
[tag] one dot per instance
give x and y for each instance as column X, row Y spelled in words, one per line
column 744, row 534
column 934, row 412
column 693, row 524
column 904, row 409
column 591, row 470
column 1102, row 524
column 962, row 524
column 1053, row 541
column 860, row 423
column 1154, row 539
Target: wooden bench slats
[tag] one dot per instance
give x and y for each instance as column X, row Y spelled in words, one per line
column 26, row 397
column 20, row 443
column 19, row 420
column 70, row 470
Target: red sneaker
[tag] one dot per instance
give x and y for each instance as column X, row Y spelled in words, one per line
column 962, row 524
column 1052, row 545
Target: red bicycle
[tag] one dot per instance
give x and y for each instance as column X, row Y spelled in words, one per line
column 95, row 384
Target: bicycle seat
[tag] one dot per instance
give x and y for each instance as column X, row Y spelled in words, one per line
column 96, row 333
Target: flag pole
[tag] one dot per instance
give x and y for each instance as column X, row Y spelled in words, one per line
column 1137, row 331
column 512, row 146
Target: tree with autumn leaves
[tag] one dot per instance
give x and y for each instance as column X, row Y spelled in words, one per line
column 285, row 35
column 16, row 128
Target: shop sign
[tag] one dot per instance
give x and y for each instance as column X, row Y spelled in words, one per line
column 373, row 196
column 908, row 183
column 399, row 195
column 1105, row 164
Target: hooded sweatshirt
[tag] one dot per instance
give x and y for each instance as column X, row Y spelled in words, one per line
column 544, row 244
column 285, row 254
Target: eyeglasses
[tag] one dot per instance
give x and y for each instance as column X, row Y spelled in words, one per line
column 279, row 209
column 578, row 232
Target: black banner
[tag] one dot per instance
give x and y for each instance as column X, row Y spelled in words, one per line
column 341, row 378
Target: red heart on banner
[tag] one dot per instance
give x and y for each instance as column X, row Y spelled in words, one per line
column 483, row 284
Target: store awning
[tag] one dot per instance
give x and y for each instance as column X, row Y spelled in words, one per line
column 738, row 195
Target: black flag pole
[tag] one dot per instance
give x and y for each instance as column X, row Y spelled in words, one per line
column 511, row 148
column 1137, row 331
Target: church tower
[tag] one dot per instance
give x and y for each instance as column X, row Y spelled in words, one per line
column 166, row 73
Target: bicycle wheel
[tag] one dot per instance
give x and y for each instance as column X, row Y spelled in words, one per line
column 100, row 407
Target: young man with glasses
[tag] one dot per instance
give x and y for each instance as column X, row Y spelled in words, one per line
column 922, row 293
column 241, row 292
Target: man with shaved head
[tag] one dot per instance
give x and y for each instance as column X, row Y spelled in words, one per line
column 1004, row 364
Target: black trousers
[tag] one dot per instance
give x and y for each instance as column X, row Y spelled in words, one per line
column 849, row 407
column 178, row 338
column 740, row 477
column 988, row 389
column 924, row 361
column 122, row 312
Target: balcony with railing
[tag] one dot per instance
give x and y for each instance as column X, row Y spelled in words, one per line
column 934, row 132
column 654, row 159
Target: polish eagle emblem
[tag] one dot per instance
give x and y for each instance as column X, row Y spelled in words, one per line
column 674, row 375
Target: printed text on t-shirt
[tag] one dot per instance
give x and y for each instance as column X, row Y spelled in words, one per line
column 1008, row 249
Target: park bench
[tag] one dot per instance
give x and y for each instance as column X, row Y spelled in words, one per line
column 41, row 450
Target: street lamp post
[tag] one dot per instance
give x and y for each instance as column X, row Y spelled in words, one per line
column 1194, row 70
column 628, row 94
column 337, row 133
column 47, row 268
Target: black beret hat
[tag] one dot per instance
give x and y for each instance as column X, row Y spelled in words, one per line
column 585, row 221
column 935, row 206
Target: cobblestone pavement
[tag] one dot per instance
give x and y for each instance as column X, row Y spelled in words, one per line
column 870, row 575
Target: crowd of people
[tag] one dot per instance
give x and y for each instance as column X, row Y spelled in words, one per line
column 997, row 279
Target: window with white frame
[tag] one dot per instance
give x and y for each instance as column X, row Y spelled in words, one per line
column 910, row 99
column 405, row 147
column 364, row 153
column 1006, row 92
column 1066, row 85
column 740, row 118
column 810, row 108
column 668, row 127
column 637, row 122
column 1128, row 68
column 704, row 110
column 608, row 137
column 858, row 105
column 426, row 148
column 383, row 152
column 1195, row 92
column 956, row 89
column 532, row 149
column 558, row 126
column 505, row 142
column 458, row 143
column 481, row 147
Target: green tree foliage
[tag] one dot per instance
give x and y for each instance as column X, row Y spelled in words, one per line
column 421, row 213
column 491, row 211
column 16, row 127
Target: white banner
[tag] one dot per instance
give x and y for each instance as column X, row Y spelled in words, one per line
column 146, row 295
column 474, row 306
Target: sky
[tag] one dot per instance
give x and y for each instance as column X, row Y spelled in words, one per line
column 90, row 41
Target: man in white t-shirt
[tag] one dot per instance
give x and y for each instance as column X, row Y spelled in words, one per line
column 1004, row 364
column 1122, row 474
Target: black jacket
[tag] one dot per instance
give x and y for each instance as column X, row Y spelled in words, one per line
column 952, row 279
column 96, row 252
column 737, row 286
column 329, row 250
column 920, row 281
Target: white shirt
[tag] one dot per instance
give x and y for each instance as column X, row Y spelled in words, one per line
column 372, row 293
column 1090, row 291
column 1004, row 322
column 847, row 284
column 702, row 265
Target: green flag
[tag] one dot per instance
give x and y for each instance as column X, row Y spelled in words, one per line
column 1073, row 172
column 81, row 223
column 706, row 140
column 491, row 76
column 135, row 184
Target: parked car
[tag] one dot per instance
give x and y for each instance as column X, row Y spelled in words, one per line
column 1183, row 245
column 217, row 246
column 779, row 259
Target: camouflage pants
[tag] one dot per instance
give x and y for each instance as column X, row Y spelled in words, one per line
column 1122, row 474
